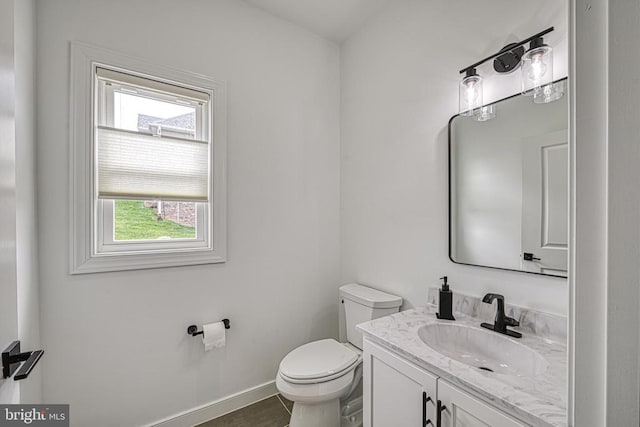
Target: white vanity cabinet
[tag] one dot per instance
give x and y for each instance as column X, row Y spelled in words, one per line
column 398, row 393
column 464, row 410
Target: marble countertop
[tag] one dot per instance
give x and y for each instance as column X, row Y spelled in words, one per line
column 539, row 400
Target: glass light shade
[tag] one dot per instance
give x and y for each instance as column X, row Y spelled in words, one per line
column 537, row 69
column 470, row 96
column 485, row 113
column 548, row 93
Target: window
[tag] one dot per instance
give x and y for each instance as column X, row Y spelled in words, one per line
column 152, row 191
column 152, row 164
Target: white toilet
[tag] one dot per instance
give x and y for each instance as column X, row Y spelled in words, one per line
column 318, row 375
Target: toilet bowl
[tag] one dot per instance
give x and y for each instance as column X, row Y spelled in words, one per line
column 317, row 376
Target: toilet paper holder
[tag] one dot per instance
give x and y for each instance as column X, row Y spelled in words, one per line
column 193, row 329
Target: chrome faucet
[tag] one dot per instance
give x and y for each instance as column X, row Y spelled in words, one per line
column 502, row 321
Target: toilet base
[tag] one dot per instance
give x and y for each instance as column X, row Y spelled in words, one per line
column 323, row 414
column 352, row 411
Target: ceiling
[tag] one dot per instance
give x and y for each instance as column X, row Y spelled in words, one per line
column 333, row 19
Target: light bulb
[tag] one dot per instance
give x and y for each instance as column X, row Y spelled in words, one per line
column 537, row 67
column 470, row 94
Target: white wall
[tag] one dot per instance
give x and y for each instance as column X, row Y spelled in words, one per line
column 623, row 158
column 19, row 291
column 399, row 89
column 116, row 343
column 604, row 348
column 9, row 389
column 588, row 205
column 26, row 222
column 623, row 373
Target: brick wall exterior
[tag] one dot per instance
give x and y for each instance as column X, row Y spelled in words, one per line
column 183, row 213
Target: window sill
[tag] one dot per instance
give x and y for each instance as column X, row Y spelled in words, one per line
column 119, row 262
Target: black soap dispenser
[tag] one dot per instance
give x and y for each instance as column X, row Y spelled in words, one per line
column 445, row 309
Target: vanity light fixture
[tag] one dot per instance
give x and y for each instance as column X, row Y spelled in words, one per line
column 470, row 95
column 537, row 75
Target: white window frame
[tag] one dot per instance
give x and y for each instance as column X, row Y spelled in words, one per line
column 93, row 250
column 105, row 225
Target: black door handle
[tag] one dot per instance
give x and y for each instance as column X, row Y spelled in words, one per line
column 12, row 358
column 528, row 256
column 28, row 366
column 425, row 399
column 440, row 409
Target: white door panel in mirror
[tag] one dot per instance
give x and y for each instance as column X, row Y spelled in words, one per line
column 545, row 203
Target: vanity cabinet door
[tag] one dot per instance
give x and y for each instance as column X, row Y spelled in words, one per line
column 463, row 410
column 396, row 393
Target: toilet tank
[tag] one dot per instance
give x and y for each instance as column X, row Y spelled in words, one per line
column 362, row 304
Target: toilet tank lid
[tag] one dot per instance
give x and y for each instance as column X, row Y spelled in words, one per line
column 369, row 297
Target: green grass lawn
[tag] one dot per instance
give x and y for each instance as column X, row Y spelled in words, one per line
column 135, row 222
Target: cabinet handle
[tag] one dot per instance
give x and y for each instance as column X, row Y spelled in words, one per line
column 425, row 399
column 441, row 408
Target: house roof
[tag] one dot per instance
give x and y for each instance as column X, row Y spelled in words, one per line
column 183, row 121
column 144, row 121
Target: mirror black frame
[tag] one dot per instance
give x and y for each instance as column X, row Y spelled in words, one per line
column 450, row 161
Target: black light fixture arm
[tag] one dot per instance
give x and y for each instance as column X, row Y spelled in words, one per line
column 511, row 47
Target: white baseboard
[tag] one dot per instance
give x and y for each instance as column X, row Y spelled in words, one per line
column 218, row 407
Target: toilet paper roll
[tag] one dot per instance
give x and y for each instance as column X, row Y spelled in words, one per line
column 214, row 335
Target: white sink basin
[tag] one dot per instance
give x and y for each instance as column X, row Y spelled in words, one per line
column 483, row 349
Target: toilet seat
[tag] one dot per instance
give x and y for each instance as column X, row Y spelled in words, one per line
column 317, row 362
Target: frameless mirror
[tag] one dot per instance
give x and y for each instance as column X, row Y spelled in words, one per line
column 508, row 187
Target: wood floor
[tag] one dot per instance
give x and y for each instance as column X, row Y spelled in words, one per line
column 274, row 411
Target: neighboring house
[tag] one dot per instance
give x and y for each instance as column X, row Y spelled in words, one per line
column 182, row 126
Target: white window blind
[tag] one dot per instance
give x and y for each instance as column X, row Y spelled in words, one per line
column 132, row 165
column 151, row 84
